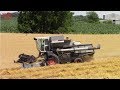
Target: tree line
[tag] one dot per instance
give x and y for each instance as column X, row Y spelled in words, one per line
column 51, row 21
column 55, row 22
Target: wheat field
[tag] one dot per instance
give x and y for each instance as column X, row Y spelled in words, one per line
column 105, row 65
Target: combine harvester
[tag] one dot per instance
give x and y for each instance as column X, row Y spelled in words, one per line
column 57, row 50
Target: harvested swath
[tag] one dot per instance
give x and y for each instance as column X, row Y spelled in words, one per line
column 101, row 68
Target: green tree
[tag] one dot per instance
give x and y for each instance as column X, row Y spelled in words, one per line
column 79, row 18
column 44, row 21
column 92, row 17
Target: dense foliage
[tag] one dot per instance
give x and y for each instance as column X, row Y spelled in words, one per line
column 44, row 21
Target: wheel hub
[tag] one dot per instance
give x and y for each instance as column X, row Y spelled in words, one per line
column 51, row 62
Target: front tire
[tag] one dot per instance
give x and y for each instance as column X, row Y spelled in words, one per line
column 52, row 60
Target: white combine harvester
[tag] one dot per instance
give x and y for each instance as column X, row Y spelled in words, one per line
column 57, row 50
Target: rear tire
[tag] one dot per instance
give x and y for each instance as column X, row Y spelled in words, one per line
column 78, row 60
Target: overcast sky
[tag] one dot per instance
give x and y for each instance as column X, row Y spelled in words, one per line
column 100, row 13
